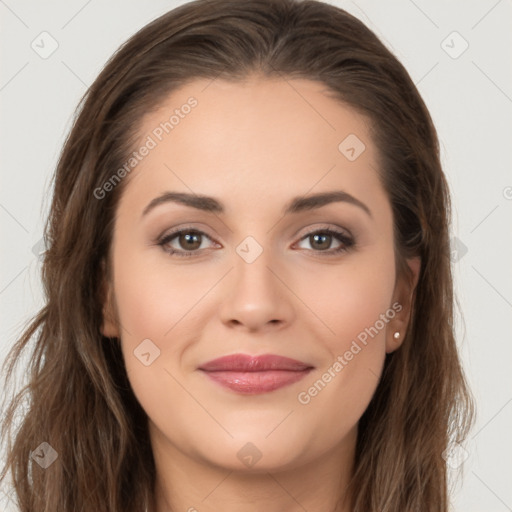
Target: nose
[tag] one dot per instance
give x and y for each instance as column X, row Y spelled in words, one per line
column 256, row 296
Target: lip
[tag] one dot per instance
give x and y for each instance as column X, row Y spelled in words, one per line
column 248, row 363
column 255, row 374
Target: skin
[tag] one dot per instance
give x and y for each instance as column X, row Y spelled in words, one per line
column 272, row 140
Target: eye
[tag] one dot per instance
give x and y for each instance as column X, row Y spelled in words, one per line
column 321, row 240
column 186, row 242
column 189, row 241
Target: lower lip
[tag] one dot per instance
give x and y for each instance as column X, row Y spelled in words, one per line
column 252, row 383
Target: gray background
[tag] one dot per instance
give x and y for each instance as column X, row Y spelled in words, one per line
column 469, row 95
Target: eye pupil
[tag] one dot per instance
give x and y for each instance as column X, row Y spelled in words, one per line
column 191, row 240
column 317, row 236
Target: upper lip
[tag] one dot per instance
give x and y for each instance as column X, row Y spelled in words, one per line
column 248, row 363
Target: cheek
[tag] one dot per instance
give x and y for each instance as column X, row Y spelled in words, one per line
column 154, row 308
column 164, row 303
column 154, row 298
column 348, row 299
column 354, row 305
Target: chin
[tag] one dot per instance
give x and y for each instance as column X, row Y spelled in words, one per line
column 256, row 453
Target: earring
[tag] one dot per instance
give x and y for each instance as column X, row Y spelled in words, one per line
column 396, row 335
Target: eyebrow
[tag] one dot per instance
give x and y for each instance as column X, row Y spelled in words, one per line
column 296, row 205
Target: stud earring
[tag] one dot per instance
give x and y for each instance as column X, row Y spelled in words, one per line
column 396, row 335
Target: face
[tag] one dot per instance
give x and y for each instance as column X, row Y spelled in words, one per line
column 258, row 269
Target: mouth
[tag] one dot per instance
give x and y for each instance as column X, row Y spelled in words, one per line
column 251, row 375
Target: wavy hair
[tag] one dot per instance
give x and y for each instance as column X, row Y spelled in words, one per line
column 77, row 396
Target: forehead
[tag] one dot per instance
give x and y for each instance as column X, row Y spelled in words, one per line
column 277, row 137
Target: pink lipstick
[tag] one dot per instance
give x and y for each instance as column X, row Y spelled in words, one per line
column 251, row 375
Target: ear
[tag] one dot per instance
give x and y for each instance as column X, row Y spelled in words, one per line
column 403, row 298
column 109, row 327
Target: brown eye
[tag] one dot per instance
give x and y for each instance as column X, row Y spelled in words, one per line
column 189, row 240
column 184, row 242
column 321, row 241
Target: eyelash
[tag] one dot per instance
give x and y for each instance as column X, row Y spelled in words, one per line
column 347, row 242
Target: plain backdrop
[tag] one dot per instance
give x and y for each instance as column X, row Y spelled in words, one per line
column 459, row 54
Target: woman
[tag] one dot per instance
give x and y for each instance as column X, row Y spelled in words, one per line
column 249, row 294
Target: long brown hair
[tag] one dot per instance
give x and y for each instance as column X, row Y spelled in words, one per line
column 78, row 398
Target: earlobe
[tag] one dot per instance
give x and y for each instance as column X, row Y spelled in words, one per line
column 404, row 296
